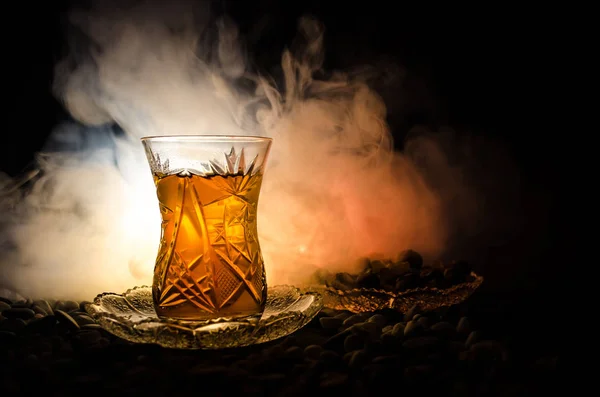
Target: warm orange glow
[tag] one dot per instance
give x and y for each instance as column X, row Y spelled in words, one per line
column 209, row 262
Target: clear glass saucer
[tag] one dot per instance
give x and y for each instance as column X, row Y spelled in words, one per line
column 131, row 316
column 368, row 300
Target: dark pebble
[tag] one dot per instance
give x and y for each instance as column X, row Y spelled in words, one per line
column 449, row 275
column 353, row 342
column 368, row 279
column 313, row 351
column 546, row 364
column 12, row 324
column 431, row 274
column 82, row 306
column 387, row 361
column 411, row 280
column 22, row 304
column 91, row 326
column 273, row 377
column 66, row 319
column 346, row 279
column 332, row 380
column 66, row 365
column 400, row 285
column 331, row 322
column 354, row 319
column 328, row 357
column 31, row 360
column 412, row 329
column 39, row 310
column 388, row 340
column 137, row 371
column 244, row 364
column 489, row 349
column 88, row 379
column 398, row 268
column 88, row 336
column 210, row 371
column 83, row 319
column 462, row 268
column 316, row 366
column 422, row 342
column 142, row 359
column 44, row 325
column 463, row 326
column 290, row 341
column 398, row 330
column 378, row 319
column 474, row 337
column 44, row 305
column 434, row 358
column 274, row 352
column 387, row 278
column 454, row 276
column 7, row 337
column 299, row 369
column 366, row 329
column 411, row 313
column 4, row 306
column 347, row 357
column 443, row 329
column 5, row 300
column 359, row 359
column 327, row 312
column 441, row 283
column 67, row 306
column 414, row 259
column 416, row 373
column 376, row 265
column 22, row 313
column 335, row 284
column 375, row 348
column 376, row 374
column 293, row 352
column 455, row 347
column 422, row 321
column 342, row 316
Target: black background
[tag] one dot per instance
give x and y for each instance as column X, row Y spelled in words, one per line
column 488, row 70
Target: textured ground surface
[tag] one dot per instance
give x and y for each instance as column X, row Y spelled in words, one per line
column 479, row 348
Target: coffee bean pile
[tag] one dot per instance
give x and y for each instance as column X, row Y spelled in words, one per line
column 57, row 348
column 405, row 273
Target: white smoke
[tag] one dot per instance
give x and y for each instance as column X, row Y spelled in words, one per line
column 334, row 189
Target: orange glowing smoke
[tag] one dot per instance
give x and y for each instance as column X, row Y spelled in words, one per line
column 334, row 189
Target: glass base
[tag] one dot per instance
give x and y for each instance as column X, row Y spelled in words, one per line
column 215, row 318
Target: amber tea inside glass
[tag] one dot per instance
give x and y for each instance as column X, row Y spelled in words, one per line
column 209, row 263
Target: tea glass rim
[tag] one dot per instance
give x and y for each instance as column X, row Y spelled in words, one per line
column 206, row 138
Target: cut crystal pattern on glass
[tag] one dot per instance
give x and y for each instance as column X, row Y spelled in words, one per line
column 209, row 263
column 131, row 316
column 229, row 163
column 230, row 263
